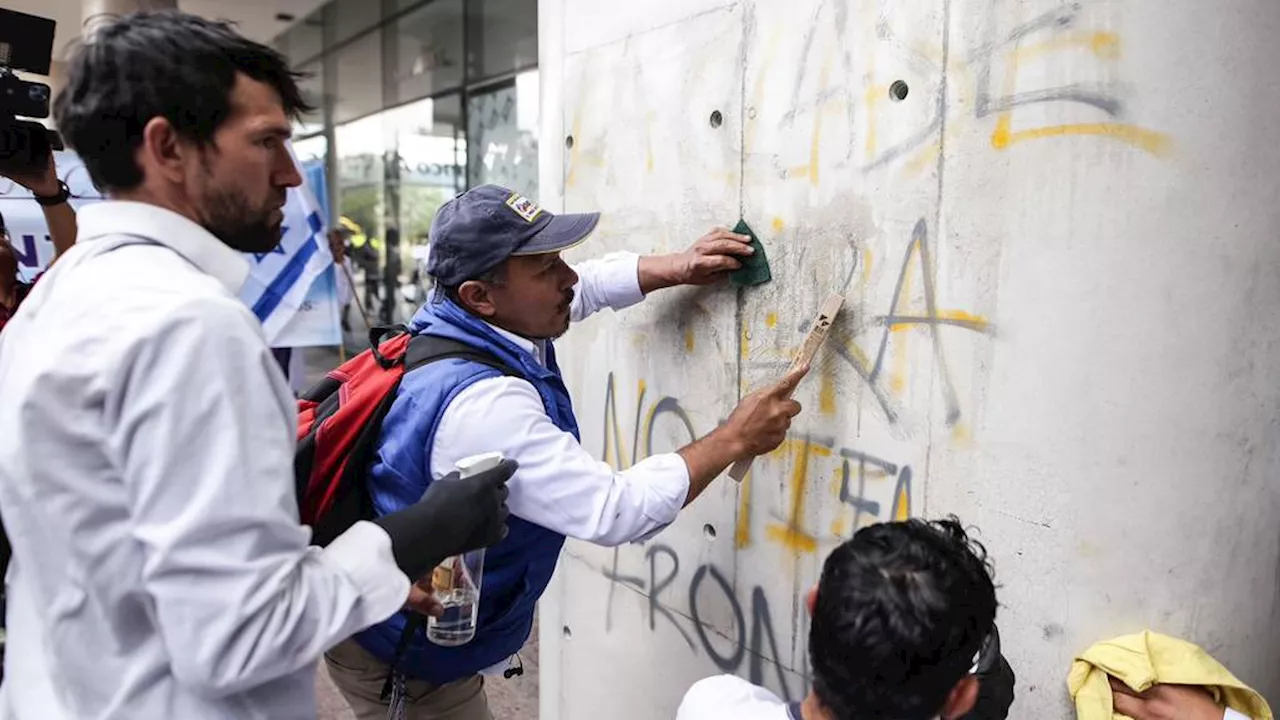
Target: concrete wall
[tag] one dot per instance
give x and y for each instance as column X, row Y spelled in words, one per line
column 1061, row 254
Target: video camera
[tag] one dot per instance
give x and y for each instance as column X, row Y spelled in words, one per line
column 26, row 43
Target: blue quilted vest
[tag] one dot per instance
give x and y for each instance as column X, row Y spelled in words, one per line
column 517, row 570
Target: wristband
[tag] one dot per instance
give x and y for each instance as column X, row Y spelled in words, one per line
column 48, row 200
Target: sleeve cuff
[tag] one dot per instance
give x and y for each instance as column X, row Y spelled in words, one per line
column 620, row 280
column 363, row 553
column 667, row 483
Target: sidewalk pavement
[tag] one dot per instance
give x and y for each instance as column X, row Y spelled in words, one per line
column 514, row 699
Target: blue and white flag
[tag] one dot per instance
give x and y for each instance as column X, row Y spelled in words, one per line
column 291, row 289
column 281, row 280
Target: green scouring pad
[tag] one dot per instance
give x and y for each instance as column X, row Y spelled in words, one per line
column 755, row 267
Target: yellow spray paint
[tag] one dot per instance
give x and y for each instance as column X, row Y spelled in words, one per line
column 827, row 390
column 792, row 535
column 1150, row 141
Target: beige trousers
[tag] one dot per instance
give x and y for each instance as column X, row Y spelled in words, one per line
column 360, row 676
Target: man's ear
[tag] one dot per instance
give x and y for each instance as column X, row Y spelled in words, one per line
column 961, row 699
column 811, row 599
column 162, row 150
column 475, row 297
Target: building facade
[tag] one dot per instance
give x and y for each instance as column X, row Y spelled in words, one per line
column 415, row 102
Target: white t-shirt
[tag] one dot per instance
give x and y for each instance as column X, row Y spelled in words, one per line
column 729, row 697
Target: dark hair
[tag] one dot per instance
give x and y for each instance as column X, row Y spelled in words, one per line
column 902, row 610
column 158, row 64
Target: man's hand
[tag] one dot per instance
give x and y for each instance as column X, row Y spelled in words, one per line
column 41, row 182
column 454, row 516
column 1165, row 702
column 337, row 247
column 710, row 260
column 760, row 422
column 757, row 426
column 423, row 601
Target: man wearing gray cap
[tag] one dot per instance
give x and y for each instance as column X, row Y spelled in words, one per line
column 505, row 293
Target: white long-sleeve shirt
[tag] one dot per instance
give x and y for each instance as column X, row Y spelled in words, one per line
column 146, row 454
column 559, row 485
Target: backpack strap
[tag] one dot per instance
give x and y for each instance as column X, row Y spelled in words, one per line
column 424, row 349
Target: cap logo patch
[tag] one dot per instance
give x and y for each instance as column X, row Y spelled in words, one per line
column 524, row 207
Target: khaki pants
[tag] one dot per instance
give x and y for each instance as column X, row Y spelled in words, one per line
column 360, row 676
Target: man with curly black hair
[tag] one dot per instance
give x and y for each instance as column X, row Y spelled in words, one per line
column 901, row 615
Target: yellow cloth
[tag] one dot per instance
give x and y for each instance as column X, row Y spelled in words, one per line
column 1146, row 659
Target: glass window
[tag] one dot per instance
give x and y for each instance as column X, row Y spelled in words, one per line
column 502, row 127
column 503, row 37
column 424, row 52
column 349, row 18
column 427, row 146
column 361, row 171
column 358, row 72
column 312, row 87
column 361, row 200
column 426, row 167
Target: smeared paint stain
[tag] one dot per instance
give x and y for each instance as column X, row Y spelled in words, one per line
column 648, row 143
column 968, row 319
column 792, row 535
column 816, row 141
column 871, row 99
column 1103, row 44
column 792, row 539
column 742, row 532
column 771, row 320
column 901, row 364
column 960, row 436
column 1150, row 141
column 778, row 224
column 1089, row 550
column 688, row 339
column 1052, row 631
column 838, row 528
column 827, row 391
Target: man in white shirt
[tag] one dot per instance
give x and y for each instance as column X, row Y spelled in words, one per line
column 146, row 434
column 902, row 621
column 503, row 294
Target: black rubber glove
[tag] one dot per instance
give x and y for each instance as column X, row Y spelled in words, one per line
column 454, row 516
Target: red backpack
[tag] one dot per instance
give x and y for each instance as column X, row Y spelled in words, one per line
column 340, row 421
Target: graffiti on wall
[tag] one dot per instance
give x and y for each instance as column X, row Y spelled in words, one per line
column 754, row 641
column 975, row 81
column 822, row 107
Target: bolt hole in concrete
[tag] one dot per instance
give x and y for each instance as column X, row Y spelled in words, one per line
column 709, row 531
column 898, row 91
column 567, row 633
column 568, row 143
column 716, row 119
